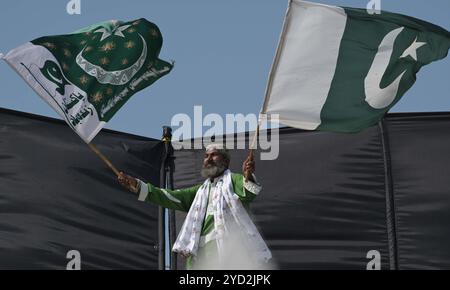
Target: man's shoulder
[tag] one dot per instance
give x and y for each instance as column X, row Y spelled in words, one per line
column 192, row 188
column 233, row 174
column 237, row 177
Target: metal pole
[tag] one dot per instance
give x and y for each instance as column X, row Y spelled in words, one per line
column 167, row 134
column 161, row 217
column 161, row 246
column 169, row 165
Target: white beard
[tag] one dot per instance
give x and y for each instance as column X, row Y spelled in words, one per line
column 213, row 171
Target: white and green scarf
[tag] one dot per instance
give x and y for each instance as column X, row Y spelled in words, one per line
column 228, row 212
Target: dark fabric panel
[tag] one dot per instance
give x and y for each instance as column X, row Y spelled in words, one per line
column 420, row 171
column 56, row 195
column 323, row 205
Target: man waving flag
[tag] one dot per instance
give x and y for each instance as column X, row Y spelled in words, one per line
column 87, row 76
column 341, row 69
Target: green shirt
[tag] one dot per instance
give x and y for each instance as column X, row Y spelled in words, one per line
column 181, row 199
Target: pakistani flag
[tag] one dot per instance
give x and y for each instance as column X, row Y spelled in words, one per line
column 341, row 69
column 88, row 75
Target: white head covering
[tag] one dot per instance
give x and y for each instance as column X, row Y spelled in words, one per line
column 220, row 148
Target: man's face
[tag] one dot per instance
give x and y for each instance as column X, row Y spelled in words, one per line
column 214, row 164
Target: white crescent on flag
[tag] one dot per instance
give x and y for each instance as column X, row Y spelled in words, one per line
column 118, row 77
column 377, row 97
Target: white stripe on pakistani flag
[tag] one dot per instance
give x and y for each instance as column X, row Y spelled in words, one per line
column 27, row 60
column 309, row 43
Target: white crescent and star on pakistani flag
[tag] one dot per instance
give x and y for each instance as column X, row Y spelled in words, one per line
column 118, row 77
column 376, row 96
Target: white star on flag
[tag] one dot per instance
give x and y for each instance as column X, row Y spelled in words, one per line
column 412, row 49
column 107, row 33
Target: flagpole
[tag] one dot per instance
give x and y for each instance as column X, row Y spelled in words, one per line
column 167, row 182
column 271, row 76
column 253, row 144
column 103, row 157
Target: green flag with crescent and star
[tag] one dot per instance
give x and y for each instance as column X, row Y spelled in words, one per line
column 88, row 75
column 341, row 69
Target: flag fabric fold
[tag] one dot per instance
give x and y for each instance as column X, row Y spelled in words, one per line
column 88, row 75
column 341, row 69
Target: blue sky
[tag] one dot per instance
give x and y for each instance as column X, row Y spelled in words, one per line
column 223, row 52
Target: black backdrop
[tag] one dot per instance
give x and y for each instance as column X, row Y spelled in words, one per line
column 56, row 196
column 330, row 198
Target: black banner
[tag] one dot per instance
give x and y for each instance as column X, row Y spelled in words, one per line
column 379, row 199
column 59, row 202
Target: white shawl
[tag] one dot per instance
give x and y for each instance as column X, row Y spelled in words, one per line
column 227, row 207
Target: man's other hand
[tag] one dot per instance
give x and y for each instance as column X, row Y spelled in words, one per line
column 248, row 167
column 128, row 182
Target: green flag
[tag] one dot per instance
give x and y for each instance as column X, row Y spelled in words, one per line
column 341, row 69
column 87, row 76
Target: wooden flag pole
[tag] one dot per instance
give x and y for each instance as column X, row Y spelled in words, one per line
column 271, row 77
column 254, row 142
column 103, row 157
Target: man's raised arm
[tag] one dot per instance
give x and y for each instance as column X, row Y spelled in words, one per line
column 180, row 199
